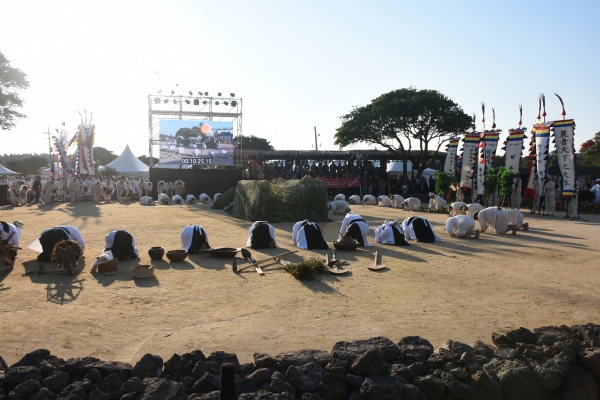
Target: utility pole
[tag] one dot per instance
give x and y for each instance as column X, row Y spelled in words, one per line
column 49, row 144
column 316, row 144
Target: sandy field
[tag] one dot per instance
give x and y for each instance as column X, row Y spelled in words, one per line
column 461, row 289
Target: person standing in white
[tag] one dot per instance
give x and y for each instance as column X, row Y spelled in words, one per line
column 550, row 197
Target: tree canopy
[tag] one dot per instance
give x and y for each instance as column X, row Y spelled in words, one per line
column 404, row 118
column 103, row 156
column 255, row 143
column 590, row 152
column 11, row 81
column 28, row 166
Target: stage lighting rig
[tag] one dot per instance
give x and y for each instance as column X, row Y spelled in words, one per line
column 217, row 103
column 219, row 94
column 232, row 94
column 190, row 92
column 196, row 102
column 233, row 103
column 187, row 101
column 226, row 103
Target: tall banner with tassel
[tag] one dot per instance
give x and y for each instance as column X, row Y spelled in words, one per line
column 542, row 149
column 563, row 133
column 513, row 147
column 86, row 149
column 451, row 152
column 487, row 153
column 529, row 191
column 469, row 160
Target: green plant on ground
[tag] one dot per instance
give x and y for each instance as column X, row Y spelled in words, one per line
column 306, row 269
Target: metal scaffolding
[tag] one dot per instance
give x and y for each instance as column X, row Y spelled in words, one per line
column 194, row 107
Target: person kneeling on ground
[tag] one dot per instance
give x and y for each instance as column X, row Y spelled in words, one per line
column 308, row 236
column 44, row 244
column 436, row 203
column 356, row 227
column 122, row 244
column 339, row 207
column 516, row 217
column 390, row 233
column 261, row 235
column 194, row 239
column 412, row 204
column 14, row 231
column 461, row 226
column 495, row 217
column 419, row 229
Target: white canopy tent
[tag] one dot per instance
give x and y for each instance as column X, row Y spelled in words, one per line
column 6, row 171
column 128, row 164
column 46, row 171
column 396, row 167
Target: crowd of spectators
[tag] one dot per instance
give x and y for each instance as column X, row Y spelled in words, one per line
column 373, row 180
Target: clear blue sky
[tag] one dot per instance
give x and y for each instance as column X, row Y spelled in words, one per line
column 295, row 64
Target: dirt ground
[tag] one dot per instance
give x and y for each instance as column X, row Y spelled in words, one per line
column 461, row 289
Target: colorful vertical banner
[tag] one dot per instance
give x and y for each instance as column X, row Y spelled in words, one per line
column 86, row 149
column 563, row 133
column 542, row 149
column 469, row 159
column 487, row 153
column 529, row 191
column 513, row 147
column 451, row 152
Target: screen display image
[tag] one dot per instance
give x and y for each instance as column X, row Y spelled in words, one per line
column 195, row 143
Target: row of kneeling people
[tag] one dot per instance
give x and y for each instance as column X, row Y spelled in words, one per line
column 164, row 199
column 339, row 204
column 305, row 234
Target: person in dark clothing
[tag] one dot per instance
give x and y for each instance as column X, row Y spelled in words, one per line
column 36, row 186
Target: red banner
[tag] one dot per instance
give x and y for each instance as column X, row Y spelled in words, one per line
column 341, row 183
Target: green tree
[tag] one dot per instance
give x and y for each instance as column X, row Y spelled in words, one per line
column 103, row 156
column 401, row 118
column 11, row 81
column 255, row 143
column 590, row 152
column 28, row 166
column 146, row 160
column 108, row 172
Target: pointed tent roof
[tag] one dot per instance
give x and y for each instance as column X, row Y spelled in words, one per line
column 6, row 171
column 128, row 164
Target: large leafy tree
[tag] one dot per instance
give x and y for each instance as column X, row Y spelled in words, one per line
column 103, row 156
column 590, row 152
column 11, row 81
column 28, row 166
column 402, row 120
column 255, row 143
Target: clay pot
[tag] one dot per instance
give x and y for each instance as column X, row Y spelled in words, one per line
column 156, row 253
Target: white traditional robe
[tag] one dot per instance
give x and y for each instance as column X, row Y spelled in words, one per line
column 455, row 208
column 271, row 233
column 72, row 232
column 473, row 208
column 409, row 232
column 412, row 203
column 177, row 199
column 47, row 189
column 397, row 201
column 384, row 201
column 515, row 196
column 339, row 207
column 204, row 199
column 364, row 228
column 298, row 235
column 354, row 199
column 110, row 241
column 216, row 197
column 146, row 201
column 437, row 203
column 163, row 199
column 460, row 226
column 515, row 217
column 495, row 217
column 14, row 240
column 550, row 198
column 369, row 200
column 187, row 234
column 190, row 199
column 385, row 233
column 340, row 196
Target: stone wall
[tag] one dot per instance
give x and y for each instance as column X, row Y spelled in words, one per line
column 553, row 363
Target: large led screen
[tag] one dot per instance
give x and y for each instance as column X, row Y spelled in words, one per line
column 195, row 143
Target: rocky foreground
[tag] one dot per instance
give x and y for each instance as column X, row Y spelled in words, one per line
column 548, row 363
